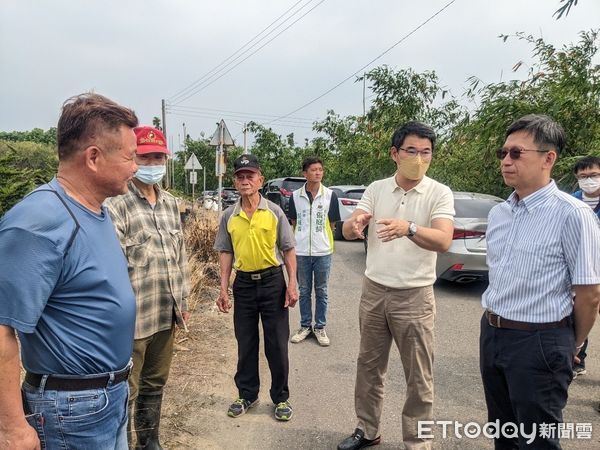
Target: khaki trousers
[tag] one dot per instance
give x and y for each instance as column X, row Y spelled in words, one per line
column 407, row 317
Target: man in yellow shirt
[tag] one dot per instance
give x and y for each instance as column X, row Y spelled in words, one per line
column 256, row 240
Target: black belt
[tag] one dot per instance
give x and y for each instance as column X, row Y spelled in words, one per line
column 54, row 383
column 500, row 322
column 259, row 274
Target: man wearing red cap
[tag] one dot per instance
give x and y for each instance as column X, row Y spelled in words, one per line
column 148, row 225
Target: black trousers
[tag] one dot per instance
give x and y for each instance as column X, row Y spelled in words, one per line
column 526, row 376
column 262, row 299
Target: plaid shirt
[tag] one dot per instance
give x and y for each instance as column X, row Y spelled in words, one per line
column 153, row 243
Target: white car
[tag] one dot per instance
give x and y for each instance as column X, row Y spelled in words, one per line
column 348, row 198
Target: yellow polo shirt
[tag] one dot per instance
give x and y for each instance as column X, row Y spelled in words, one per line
column 257, row 242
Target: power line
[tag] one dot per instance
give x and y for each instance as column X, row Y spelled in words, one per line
column 368, row 64
column 205, row 84
column 178, row 94
column 183, row 109
column 240, row 118
column 226, row 66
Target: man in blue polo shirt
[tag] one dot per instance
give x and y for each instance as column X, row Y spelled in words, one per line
column 65, row 289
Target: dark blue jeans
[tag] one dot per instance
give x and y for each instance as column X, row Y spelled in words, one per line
column 94, row 419
column 526, row 376
column 317, row 268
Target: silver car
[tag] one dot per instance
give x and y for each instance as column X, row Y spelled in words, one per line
column 465, row 260
column 348, row 197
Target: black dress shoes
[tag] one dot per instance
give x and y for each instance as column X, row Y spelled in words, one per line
column 357, row 440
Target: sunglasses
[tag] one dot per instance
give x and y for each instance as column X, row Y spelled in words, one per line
column 515, row 152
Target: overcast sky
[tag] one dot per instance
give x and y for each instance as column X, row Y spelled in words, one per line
column 138, row 52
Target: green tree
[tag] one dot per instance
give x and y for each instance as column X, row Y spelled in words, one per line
column 358, row 146
column 564, row 84
column 36, row 135
column 17, row 176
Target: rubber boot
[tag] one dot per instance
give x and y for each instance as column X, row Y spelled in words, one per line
column 147, row 420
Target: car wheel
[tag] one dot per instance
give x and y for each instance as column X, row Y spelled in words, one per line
column 337, row 233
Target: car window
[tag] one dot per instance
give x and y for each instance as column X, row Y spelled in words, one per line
column 474, row 207
column 355, row 195
column 292, row 185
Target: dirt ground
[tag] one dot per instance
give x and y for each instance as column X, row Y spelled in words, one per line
column 201, row 378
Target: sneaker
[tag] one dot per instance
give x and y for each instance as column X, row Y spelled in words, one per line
column 240, row 406
column 284, row 411
column 578, row 371
column 301, row 334
column 322, row 338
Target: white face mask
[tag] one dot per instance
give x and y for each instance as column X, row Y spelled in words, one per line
column 589, row 185
column 150, row 174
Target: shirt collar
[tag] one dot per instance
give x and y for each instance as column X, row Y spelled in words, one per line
column 262, row 204
column 534, row 199
column 136, row 191
column 420, row 188
column 305, row 192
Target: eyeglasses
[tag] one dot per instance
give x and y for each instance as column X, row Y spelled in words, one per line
column 591, row 176
column 515, row 152
column 411, row 151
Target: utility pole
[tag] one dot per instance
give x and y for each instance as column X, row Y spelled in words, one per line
column 164, row 130
column 222, row 171
column 172, row 161
column 245, row 142
column 364, row 87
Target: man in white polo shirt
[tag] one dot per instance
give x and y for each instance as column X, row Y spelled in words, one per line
column 411, row 218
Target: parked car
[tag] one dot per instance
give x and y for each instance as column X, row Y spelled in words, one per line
column 229, row 196
column 465, row 260
column 348, row 197
column 279, row 190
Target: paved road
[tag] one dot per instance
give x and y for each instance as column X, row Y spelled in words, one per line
column 322, row 379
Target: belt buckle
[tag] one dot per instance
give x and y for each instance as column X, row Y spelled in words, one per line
column 491, row 322
column 255, row 276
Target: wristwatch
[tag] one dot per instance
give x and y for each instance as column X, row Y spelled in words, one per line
column 412, row 229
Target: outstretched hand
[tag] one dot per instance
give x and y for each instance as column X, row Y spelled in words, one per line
column 360, row 223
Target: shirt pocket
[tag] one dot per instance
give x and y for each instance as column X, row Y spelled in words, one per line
column 176, row 236
column 137, row 248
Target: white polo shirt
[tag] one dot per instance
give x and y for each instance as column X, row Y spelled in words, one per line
column 400, row 263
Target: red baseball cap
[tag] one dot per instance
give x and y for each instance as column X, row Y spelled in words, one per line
column 150, row 140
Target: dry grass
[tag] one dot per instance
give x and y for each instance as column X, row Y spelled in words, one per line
column 199, row 231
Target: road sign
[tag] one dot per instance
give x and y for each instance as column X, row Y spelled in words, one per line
column 193, row 177
column 192, row 163
column 216, row 137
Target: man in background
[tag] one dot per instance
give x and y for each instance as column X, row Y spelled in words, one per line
column 313, row 210
column 587, row 172
column 148, row 225
column 256, row 239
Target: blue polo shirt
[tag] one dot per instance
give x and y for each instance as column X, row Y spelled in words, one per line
column 73, row 308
